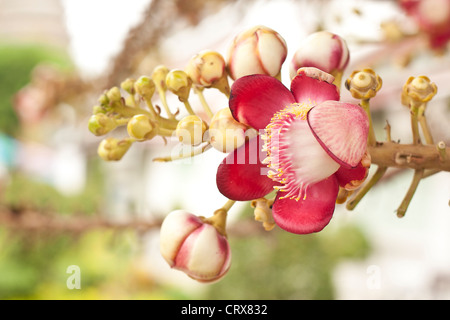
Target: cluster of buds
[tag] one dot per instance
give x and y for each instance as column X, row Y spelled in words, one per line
column 197, row 245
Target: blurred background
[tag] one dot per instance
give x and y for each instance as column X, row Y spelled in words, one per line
column 62, row 206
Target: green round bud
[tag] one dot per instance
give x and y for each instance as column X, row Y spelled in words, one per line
column 100, row 124
column 145, row 87
column 190, row 130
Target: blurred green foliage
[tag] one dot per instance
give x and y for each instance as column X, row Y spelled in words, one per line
column 25, row 192
column 16, row 63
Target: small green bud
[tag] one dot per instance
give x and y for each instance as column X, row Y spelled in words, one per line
column 128, row 85
column 112, row 149
column 145, row 87
column 100, row 124
column 114, row 94
column 103, row 100
column 190, row 130
column 159, row 76
column 140, row 127
column 179, row 83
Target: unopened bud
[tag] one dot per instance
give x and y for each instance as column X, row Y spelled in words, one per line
column 114, row 94
column 145, row 87
column 128, row 85
column 100, row 124
column 363, row 84
column 140, row 127
column 417, row 91
column 179, row 83
column 259, row 50
column 191, row 245
column 208, row 69
column 112, row 149
column 263, row 213
column 190, row 130
column 323, row 50
column 159, row 76
column 225, row 133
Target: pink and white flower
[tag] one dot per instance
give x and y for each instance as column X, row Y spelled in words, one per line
column 310, row 144
column 191, row 245
column 432, row 17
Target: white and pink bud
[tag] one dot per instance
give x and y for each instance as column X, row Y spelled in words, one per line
column 259, row 50
column 193, row 245
column 323, row 50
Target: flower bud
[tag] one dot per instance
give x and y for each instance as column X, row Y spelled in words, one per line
column 417, row 91
column 191, row 245
column 323, row 50
column 145, row 87
column 159, row 76
column 225, row 133
column 208, row 69
column 140, row 128
column 263, row 212
column 114, row 94
column 179, row 83
column 190, row 130
column 100, row 124
column 128, row 85
column 259, row 50
column 363, row 84
column 112, row 149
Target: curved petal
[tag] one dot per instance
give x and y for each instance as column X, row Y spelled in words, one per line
column 241, row 176
column 311, row 86
column 256, row 98
column 310, row 214
column 342, row 129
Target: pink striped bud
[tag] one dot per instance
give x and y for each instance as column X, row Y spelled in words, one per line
column 194, row 246
column 323, row 50
column 259, row 50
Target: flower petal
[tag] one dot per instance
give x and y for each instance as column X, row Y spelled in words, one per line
column 341, row 129
column 241, row 176
column 313, row 86
column 256, row 98
column 352, row 178
column 310, row 214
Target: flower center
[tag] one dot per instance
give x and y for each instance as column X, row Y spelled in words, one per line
column 294, row 156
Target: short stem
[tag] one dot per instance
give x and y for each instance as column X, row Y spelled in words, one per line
column 165, row 132
column 362, row 192
column 371, row 138
column 205, row 105
column 227, row 206
column 415, row 126
column 219, row 219
column 189, row 108
column 193, row 153
column 162, row 95
column 425, row 129
column 418, row 175
column 442, row 151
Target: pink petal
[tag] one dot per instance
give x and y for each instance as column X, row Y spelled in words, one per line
column 352, row 178
column 241, row 176
column 341, row 129
column 313, row 89
column 310, row 214
column 256, row 98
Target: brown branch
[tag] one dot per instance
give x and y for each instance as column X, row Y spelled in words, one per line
column 418, row 156
column 35, row 221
